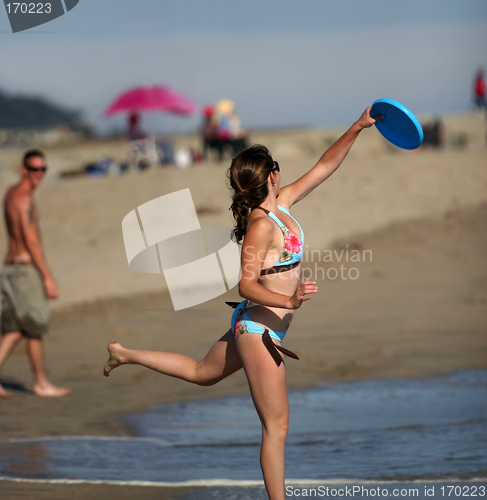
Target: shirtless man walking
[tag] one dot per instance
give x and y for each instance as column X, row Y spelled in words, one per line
column 26, row 282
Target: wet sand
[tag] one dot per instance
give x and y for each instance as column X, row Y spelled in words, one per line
column 418, row 307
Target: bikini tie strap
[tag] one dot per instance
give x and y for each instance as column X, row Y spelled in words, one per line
column 232, row 304
column 274, row 348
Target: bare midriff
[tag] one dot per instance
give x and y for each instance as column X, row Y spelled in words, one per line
column 276, row 318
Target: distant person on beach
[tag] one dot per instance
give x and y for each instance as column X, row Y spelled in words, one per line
column 433, row 133
column 272, row 248
column 134, row 132
column 208, row 133
column 221, row 130
column 229, row 129
column 26, row 281
column 479, row 91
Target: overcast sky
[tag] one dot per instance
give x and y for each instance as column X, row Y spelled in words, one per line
column 284, row 62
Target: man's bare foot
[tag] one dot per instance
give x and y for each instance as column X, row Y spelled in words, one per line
column 4, row 393
column 48, row 390
column 114, row 349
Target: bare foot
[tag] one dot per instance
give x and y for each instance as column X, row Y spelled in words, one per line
column 48, row 390
column 4, row 393
column 114, row 349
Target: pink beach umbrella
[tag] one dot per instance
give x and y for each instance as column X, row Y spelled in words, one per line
column 156, row 98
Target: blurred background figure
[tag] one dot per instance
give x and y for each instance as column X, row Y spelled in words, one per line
column 208, row 133
column 229, row 127
column 228, row 123
column 143, row 150
column 433, row 134
column 26, row 281
column 134, row 132
column 479, row 91
column 221, row 130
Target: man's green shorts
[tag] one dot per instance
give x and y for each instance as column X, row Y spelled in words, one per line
column 25, row 306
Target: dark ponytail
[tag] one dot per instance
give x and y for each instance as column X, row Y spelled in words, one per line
column 248, row 175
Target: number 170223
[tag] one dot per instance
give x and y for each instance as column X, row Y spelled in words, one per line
column 29, row 8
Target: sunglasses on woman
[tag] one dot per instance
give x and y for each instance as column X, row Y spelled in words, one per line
column 276, row 167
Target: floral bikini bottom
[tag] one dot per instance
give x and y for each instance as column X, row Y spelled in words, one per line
column 241, row 323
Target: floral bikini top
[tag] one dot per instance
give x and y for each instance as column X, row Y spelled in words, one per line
column 293, row 246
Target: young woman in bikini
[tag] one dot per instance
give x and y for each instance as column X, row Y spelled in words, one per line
column 270, row 285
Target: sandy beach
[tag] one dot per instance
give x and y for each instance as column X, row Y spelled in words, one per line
column 414, row 304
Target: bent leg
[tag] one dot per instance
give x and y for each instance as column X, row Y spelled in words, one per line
column 42, row 386
column 269, row 393
column 221, row 361
column 7, row 344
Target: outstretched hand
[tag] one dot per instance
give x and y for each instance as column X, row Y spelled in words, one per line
column 366, row 121
column 302, row 292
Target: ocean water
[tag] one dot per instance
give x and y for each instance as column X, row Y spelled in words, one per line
column 394, row 433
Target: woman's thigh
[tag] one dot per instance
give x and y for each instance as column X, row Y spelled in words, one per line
column 221, row 361
column 267, row 381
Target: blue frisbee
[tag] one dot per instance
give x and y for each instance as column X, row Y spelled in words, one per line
column 399, row 126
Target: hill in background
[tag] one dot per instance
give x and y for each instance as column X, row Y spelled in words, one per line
column 34, row 113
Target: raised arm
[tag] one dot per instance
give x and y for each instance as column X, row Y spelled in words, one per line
column 32, row 240
column 327, row 164
column 257, row 242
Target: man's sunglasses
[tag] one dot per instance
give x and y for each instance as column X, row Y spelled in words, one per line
column 34, row 169
column 276, row 167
